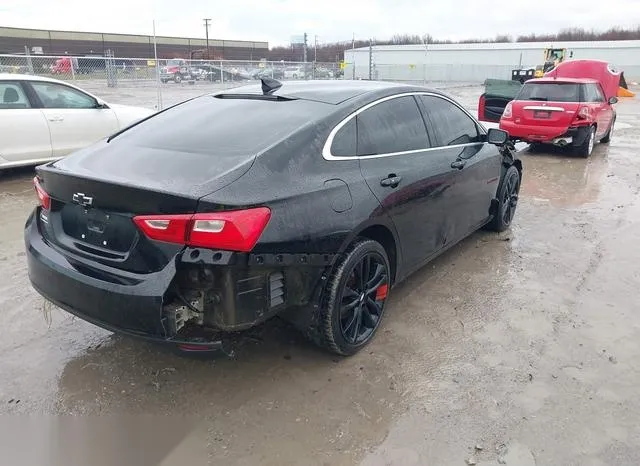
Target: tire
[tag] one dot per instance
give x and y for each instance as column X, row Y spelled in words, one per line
column 607, row 138
column 535, row 147
column 164, row 81
column 507, row 200
column 586, row 148
column 351, row 313
column 177, row 79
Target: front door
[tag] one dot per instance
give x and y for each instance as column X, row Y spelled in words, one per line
column 75, row 121
column 477, row 163
column 600, row 107
column 24, row 132
column 411, row 181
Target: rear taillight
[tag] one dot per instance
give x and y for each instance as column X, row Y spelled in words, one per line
column 43, row 197
column 237, row 230
column 583, row 113
column 481, row 104
column 508, row 111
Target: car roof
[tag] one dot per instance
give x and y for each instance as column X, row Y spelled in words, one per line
column 326, row 91
column 564, row 80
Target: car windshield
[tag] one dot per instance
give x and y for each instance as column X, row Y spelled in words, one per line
column 552, row 92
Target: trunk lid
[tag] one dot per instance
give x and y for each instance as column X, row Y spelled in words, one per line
column 95, row 196
column 557, row 114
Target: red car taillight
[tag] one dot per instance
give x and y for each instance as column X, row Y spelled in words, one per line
column 508, row 111
column 43, row 197
column 583, row 113
column 237, row 230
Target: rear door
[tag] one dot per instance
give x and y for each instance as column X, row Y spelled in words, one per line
column 462, row 144
column 547, row 104
column 412, row 182
column 73, row 117
column 24, row 133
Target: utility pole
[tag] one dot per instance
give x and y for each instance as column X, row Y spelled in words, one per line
column 207, row 22
column 155, row 58
column 353, row 54
column 370, row 59
column 315, row 49
column 305, row 48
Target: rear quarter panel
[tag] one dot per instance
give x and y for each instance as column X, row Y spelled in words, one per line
column 316, row 205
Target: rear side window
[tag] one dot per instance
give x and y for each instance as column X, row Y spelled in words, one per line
column 392, row 126
column 593, row 93
column 550, row 92
column 450, row 124
column 345, row 141
column 12, row 96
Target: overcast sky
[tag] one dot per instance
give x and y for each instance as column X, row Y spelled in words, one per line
column 331, row 20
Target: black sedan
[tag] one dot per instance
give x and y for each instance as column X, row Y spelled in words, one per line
column 308, row 200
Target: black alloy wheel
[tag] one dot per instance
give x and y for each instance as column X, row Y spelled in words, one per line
column 363, row 299
column 357, row 293
column 507, row 197
column 510, row 197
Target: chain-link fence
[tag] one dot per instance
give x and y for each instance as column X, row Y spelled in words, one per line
column 113, row 69
column 158, row 84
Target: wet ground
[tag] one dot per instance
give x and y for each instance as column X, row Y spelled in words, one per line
column 524, row 345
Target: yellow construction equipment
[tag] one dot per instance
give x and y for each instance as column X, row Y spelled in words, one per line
column 551, row 59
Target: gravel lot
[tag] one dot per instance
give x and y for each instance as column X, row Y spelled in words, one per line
column 523, row 344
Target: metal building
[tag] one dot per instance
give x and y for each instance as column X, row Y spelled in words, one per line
column 476, row 62
column 46, row 42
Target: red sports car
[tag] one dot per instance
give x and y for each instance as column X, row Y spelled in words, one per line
column 566, row 112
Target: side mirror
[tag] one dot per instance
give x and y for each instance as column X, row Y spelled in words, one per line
column 613, row 100
column 101, row 104
column 497, row 136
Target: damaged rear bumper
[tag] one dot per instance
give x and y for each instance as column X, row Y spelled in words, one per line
column 558, row 136
column 130, row 304
column 229, row 291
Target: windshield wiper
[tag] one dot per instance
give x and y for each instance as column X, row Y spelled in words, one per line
column 541, row 99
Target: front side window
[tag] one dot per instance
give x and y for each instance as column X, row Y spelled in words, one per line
column 55, row 95
column 12, row 96
column 392, row 126
column 450, row 124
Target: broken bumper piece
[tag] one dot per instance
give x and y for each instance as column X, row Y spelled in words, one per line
column 131, row 304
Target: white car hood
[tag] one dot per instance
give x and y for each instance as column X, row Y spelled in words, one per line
column 127, row 114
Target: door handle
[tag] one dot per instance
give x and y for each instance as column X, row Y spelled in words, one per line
column 459, row 164
column 56, row 118
column 391, row 182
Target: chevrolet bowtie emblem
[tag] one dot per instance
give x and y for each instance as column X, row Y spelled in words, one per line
column 80, row 198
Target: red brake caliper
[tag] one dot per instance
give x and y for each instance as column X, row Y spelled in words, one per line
column 381, row 292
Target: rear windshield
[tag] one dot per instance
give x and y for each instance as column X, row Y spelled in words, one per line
column 223, row 127
column 552, row 92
